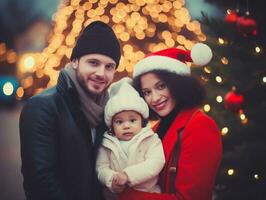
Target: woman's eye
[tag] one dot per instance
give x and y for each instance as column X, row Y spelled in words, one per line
column 161, row 86
column 146, row 93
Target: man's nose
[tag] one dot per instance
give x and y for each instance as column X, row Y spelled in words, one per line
column 100, row 71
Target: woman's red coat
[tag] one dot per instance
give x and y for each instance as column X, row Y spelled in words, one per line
column 199, row 159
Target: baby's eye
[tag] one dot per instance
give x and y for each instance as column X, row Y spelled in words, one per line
column 118, row 122
column 132, row 120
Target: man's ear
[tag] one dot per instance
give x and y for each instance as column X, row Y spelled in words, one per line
column 75, row 63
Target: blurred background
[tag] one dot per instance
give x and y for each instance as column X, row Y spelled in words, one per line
column 37, row 37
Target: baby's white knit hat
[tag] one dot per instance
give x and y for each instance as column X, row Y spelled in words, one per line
column 123, row 97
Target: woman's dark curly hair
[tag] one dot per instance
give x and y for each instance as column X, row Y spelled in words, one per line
column 187, row 91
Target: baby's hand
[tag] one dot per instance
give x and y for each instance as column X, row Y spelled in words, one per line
column 116, row 187
column 122, row 178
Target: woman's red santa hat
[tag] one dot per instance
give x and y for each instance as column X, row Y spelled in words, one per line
column 174, row 60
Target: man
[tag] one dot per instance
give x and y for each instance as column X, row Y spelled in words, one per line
column 61, row 128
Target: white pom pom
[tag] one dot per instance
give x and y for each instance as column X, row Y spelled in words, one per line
column 114, row 87
column 201, row 54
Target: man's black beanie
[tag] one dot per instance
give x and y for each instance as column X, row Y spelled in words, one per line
column 99, row 38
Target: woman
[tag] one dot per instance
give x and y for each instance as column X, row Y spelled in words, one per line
column 191, row 140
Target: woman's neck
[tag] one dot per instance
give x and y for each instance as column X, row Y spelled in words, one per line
column 166, row 122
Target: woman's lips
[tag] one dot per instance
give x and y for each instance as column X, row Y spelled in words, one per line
column 160, row 106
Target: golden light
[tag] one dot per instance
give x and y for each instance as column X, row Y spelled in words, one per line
column 166, row 34
column 256, row 176
column 224, row 131
column 8, row 88
column 124, row 36
column 218, row 79
column 180, row 39
column 224, row 60
column 244, row 119
column 207, row 108
column 257, row 49
column 178, row 4
column 163, row 18
column 170, row 43
column 242, row 116
column 20, row 92
column 207, row 69
column 230, row 172
column 27, row 63
column 221, row 40
column 219, row 99
column 264, row 79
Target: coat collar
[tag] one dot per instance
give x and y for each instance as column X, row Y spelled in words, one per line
column 183, row 117
column 171, row 136
column 112, row 143
column 66, row 87
column 180, row 120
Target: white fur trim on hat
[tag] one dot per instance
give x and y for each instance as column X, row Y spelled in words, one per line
column 156, row 62
column 125, row 99
column 174, row 60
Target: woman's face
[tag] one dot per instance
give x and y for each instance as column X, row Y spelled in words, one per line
column 157, row 94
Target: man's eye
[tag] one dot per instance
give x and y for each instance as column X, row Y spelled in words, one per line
column 93, row 63
column 110, row 67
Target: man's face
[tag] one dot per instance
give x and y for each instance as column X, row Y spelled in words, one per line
column 94, row 72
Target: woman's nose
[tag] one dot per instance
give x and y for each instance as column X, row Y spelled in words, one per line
column 155, row 97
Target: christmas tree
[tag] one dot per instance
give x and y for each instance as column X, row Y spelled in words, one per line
column 235, row 82
column 142, row 26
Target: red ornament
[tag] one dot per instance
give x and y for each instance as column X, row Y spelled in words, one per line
column 247, row 26
column 233, row 101
column 231, row 17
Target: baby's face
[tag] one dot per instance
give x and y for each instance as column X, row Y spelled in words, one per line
column 126, row 124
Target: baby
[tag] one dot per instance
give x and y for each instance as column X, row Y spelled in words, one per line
column 131, row 153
